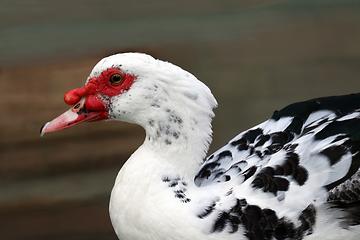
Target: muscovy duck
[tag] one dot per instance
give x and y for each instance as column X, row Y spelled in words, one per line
column 294, row 176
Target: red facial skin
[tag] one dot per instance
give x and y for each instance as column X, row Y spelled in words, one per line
column 89, row 102
column 100, row 85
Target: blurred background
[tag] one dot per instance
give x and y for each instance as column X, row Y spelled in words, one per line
column 256, row 56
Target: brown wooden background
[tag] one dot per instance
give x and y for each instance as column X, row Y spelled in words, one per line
column 256, row 56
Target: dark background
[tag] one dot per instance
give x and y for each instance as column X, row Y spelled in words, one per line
column 256, row 56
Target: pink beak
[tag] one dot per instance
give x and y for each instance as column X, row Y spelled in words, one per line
column 75, row 115
column 86, row 107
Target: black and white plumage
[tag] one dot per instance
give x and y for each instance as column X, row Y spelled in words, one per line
column 295, row 176
column 306, row 153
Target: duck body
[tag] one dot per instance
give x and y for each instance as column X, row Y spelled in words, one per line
column 295, row 176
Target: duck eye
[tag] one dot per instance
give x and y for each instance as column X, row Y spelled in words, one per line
column 116, row 79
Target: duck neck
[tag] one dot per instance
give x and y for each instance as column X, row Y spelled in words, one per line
column 179, row 140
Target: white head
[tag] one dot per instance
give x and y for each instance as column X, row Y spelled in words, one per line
column 169, row 102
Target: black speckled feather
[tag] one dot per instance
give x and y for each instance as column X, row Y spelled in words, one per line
column 284, row 154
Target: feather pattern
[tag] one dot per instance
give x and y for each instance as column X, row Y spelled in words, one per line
column 294, row 176
column 307, row 154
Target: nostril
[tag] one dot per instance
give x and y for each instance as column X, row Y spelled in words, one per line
column 77, row 106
